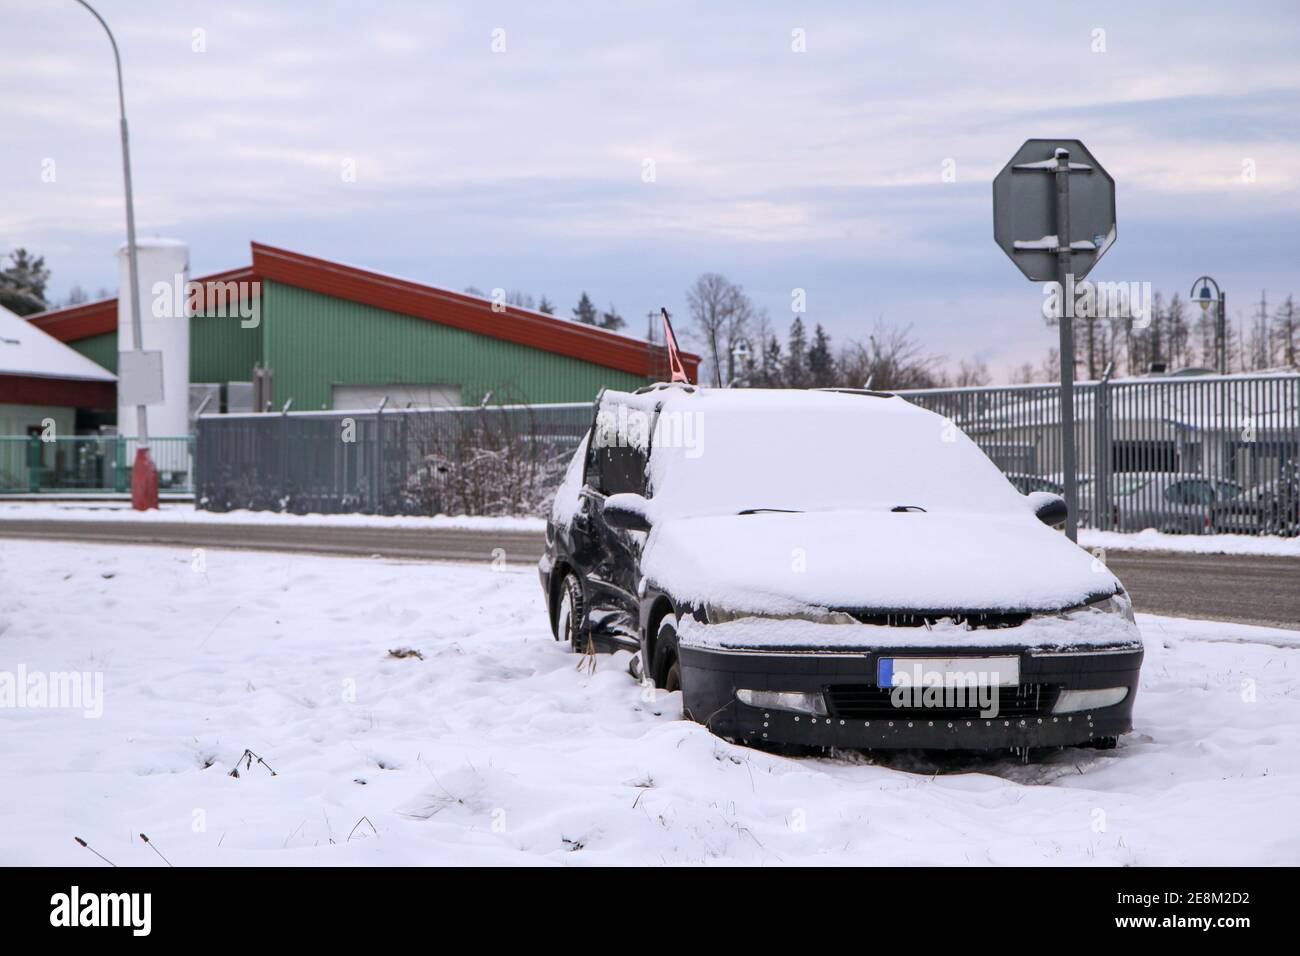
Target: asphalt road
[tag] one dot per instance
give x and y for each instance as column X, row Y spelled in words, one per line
column 1244, row 589
column 1241, row 589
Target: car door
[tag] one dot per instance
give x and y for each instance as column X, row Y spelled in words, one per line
column 616, row 464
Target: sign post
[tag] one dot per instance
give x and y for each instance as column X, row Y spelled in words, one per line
column 1054, row 216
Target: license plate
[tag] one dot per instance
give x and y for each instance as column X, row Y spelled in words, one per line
column 926, row 671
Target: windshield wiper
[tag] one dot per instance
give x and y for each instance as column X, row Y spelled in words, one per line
column 769, row 511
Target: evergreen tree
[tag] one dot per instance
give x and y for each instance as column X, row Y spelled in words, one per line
column 821, row 363
column 610, row 319
column 585, row 312
column 1286, row 333
column 796, row 358
column 22, row 283
column 770, row 373
column 545, row 306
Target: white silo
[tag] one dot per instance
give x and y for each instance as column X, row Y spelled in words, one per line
column 164, row 272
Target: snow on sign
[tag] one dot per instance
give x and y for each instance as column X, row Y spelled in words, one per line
column 1028, row 208
column 139, row 377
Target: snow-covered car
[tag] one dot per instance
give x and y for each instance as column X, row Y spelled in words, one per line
column 1171, row 502
column 834, row 569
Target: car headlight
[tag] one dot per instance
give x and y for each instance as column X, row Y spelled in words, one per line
column 717, row 615
column 797, row 701
column 1073, row 701
column 1119, row 603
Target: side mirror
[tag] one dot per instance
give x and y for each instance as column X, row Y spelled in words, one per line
column 1050, row 508
column 627, row 512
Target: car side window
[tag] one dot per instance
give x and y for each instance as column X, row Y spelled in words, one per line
column 1190, row 493
column 617, row 461
column 1228, row 491
column 622, row 470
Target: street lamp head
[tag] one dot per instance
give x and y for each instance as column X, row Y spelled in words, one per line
column 1202, row 294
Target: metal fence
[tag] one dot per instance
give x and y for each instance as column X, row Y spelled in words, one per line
column 88, row 463
column 1180, row 454
column 490, row 460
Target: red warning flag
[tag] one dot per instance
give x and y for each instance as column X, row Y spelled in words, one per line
column 674, row 359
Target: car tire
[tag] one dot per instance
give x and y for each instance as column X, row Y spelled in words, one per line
column 673, row 681
column 568, row 616
column 667, row 669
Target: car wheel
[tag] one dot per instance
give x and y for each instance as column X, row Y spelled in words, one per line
column 568, row 618
column 667, row 670
column 673, row 681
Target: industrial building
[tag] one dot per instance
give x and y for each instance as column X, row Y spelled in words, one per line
column 292, row 328
column 44, row 381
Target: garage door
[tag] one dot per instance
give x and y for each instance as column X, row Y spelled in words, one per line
column 368, row 397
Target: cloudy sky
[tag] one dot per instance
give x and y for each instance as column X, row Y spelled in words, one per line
column 524, row 167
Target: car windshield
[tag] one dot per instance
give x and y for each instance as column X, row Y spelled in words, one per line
column 758, row 450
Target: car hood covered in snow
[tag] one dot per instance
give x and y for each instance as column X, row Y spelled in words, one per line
column 877, row 560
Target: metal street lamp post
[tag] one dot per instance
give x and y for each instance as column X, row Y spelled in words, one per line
column 1205, row 299
column 144, row 476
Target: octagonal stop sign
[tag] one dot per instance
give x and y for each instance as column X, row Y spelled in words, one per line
column 1050, row 187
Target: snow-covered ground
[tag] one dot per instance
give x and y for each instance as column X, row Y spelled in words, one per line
column 496, row 747
column 1152, row 540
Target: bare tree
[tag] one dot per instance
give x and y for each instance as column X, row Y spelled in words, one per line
column 1051, row 368
column 890, row 359
column 722, row 314
column 972, row 372
column 1023, row 374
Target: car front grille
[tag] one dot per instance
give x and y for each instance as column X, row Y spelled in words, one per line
column 869, row 702
column 972, row 619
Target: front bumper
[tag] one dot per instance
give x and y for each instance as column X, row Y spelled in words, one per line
column 859, row 715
